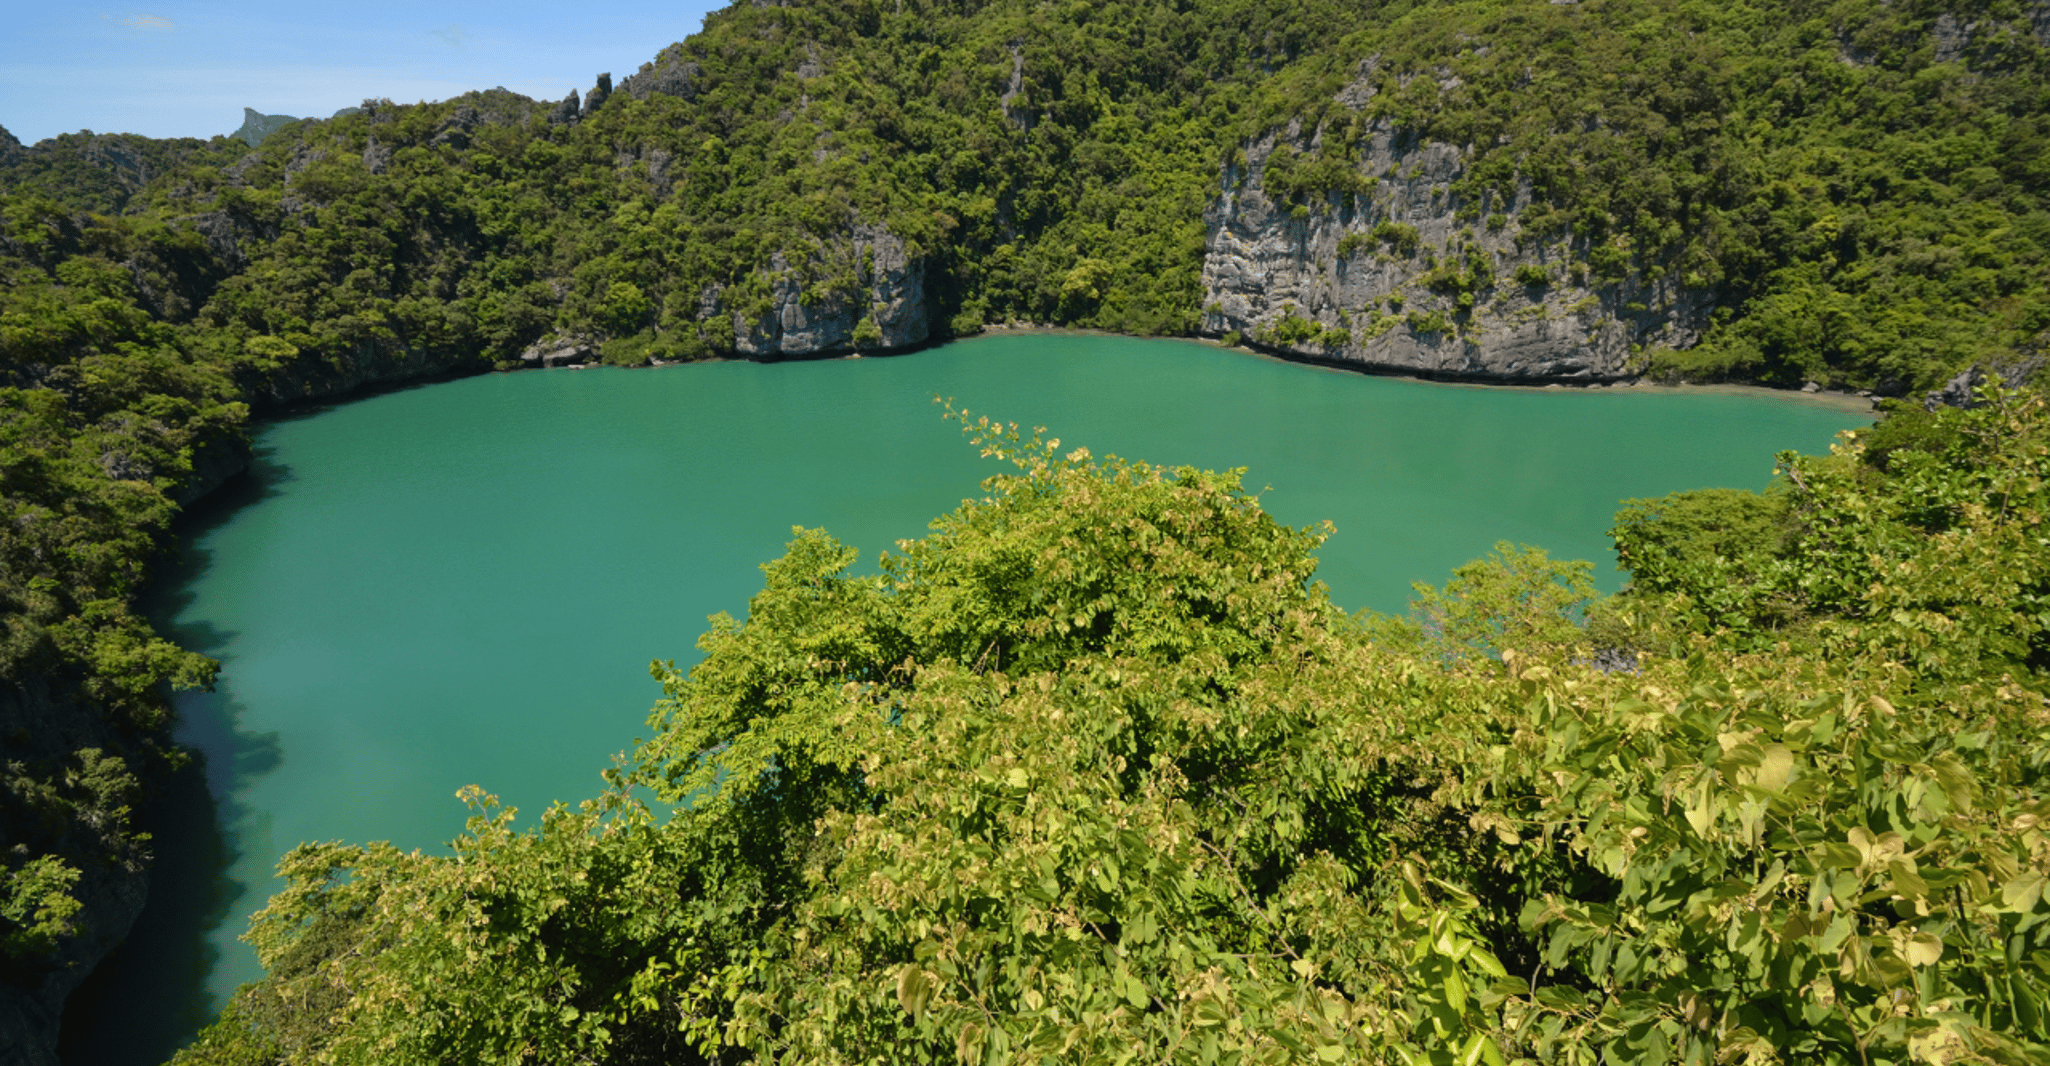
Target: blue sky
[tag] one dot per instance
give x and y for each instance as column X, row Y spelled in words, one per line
column 188, row 69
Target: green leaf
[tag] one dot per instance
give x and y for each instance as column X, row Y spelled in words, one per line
column 1956, row 780
column 2021, row 892
column 1923, row 949
column 914, row 989
column 1840, row 929
column 1834, row 856
column 1906, row 882
column 1774, row 767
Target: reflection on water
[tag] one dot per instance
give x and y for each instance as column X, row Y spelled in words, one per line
column 147, row 999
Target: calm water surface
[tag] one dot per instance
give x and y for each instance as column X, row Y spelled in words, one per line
column 465, row 582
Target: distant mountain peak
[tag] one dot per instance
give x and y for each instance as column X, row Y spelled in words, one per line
column 257, row 125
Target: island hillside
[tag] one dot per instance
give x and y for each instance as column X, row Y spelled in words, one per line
column 1847, row 194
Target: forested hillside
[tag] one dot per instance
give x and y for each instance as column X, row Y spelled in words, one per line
column 1847, row 193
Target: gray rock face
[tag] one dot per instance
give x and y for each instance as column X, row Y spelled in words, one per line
column 455, row 130
column 1018, row 116
column 224, row 235
column 1951, row 37
column 567, row 111
column 654, row 163
column 559, row 351
column 595, row 99
column 376, row 156
column 1961, row 390
column 809, row 314
column 670, row 74
column 1274, row 273
column 212, row 465
column 116, row 154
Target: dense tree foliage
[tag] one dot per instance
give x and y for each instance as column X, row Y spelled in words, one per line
column 1922, row 541
column 1856, row 186
column 1859, row 186
column 101, row 416
column 1096, row 772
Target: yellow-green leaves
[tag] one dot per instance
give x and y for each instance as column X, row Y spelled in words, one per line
column 2020, row 893
column 914, row 990
column 1093, row 774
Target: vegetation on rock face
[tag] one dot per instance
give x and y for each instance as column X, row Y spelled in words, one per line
column 102, row 414
column 1858, row 187
column 1096, row 772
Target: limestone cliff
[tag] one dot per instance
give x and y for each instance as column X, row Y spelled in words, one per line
column 866, row 291
column 670, row 73
column 1405, row 277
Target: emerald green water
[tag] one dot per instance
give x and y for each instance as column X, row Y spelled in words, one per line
column 464, row 583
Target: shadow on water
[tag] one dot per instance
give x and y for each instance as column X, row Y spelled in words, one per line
column 149, row 997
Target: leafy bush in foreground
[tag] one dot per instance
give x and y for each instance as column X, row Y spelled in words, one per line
column 1095, row 772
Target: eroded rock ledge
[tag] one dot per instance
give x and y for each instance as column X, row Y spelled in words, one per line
column 864, row 292
column 1370, row 280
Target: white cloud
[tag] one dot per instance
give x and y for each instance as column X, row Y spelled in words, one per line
column 148, row 22
column 453, row 33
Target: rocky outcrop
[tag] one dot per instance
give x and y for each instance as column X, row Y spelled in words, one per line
column 654, row 162
column 596, row 98
column 455, row 130
column 225, row 235
column 1951, row 37
column 567, row 111
column 129, row 159
column 32, row 1013
column 866, row 292
column 1017, row 114
column 1989, row 41
column 1962, row 390
column 376, row 156
column 1403, row 277
column 213, row 463
column 670, row 74
column 560, row 351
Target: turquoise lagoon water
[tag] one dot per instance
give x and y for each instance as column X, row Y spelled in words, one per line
column 465, row 582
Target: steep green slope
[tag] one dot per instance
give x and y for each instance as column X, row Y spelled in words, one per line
column 1854, row 196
